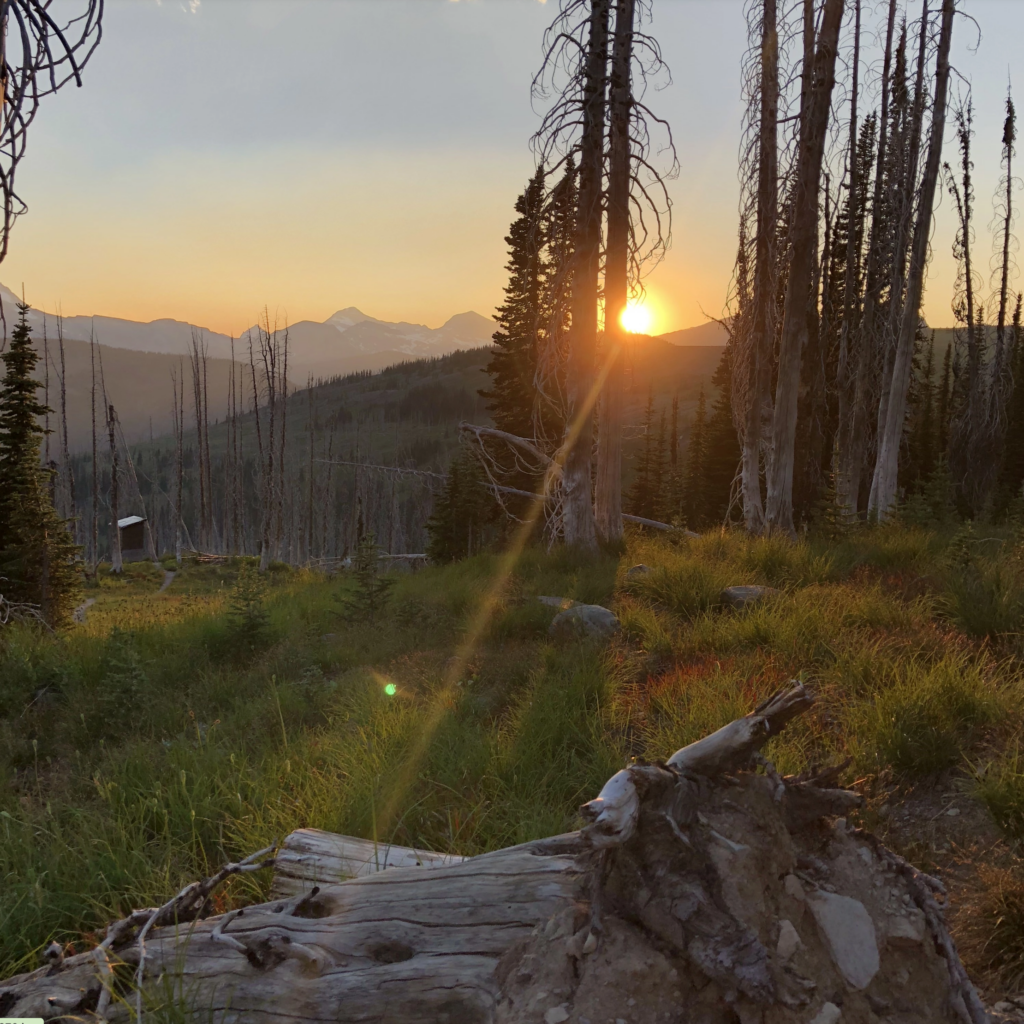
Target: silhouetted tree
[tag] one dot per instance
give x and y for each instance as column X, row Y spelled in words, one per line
column 37, row 555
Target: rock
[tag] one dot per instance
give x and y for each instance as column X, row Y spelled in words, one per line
column 744, row 597
column 556, row 1015
column 789, row 941
column 1004, row 1007
column 849, row 934
column 557, row 602
column 638, row 570
column 828, row 1014
column 587, row 619
column 794, row 888
column 906, row 930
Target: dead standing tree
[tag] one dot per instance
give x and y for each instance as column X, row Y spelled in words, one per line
column 38, row 56
column 754, row 340
column 883, row 489
column 819, row 80
column 576, row 70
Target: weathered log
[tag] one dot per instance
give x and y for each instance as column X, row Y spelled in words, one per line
column 728, row 898
column 310, row 857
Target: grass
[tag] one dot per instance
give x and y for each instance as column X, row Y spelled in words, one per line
column 149, row 744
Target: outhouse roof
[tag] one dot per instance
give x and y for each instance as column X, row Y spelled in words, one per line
column 130, row 521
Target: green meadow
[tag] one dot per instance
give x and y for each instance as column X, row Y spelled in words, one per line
column 175, row 729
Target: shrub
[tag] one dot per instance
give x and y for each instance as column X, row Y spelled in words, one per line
column 372, row 590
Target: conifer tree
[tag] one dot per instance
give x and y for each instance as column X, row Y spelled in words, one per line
column 462, row 513
column 945, row 402
column 696, row 466
column 513, row 360
column 643, row 498
column 723, row 446
column 37, row 554
column 1011, row 470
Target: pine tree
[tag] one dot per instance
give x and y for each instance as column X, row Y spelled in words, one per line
column 723, row 447
column 1011, row 470
column 696, row 466
column 463, row 513
column 37, row 554
column 513, row 359
column 945, row 405
column 642, row 498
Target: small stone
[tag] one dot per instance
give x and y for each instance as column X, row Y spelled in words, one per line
column 884, row 811
column 590, row 945
column 639, row 570
column 587, row 619
column 850, row 935
column 953, row 812
column 619, row 1020
column 1004, row 1007
column 906, row 930
column 902, row 976
column 865, row 855
column 556, row 1015
column 794, row 888
column 631, row 1001
column 828, row 1014
column 744, row 597
column 789, row 941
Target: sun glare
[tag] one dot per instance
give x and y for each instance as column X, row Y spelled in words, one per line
column 637, row 319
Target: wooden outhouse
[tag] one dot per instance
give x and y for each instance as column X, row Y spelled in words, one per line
column 132, row 530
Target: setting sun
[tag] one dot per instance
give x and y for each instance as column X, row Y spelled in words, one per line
column 637, row 319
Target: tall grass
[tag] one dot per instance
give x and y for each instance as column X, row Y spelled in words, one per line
column 150, row 743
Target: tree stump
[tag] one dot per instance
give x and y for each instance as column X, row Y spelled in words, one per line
column 700, row 891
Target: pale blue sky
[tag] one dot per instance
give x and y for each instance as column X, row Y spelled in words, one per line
column 312, row 155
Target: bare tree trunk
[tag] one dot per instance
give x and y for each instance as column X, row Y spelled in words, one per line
column 283, row 391
column 577, row 506
column 179, row 431
column 311, row 411
column 616, row 280
column 1000, row 378
column 65, row 454
column 115, row 538
column 803, row 235
column 851, row 300
column 95, row 465
column 854, row 412
column 197, row 403
column 884, row 483
column 760, row 358
column 205, row 440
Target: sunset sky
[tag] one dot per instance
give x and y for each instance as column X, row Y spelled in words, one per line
column 224, row 155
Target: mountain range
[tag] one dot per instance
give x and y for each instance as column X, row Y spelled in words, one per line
column 349, row 340
column 138, row 358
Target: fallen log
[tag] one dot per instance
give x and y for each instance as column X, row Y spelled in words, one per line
column 310, row 857
column 702, row 890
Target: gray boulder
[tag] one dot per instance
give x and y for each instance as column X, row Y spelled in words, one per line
column 744, row 597
column 585, row 619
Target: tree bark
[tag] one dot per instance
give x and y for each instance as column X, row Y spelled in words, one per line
column 884, row 484
column 578, row 509
column 763, row 328
column 803, row 234
column 616, row 280
column 115, row 532
column 854, row 399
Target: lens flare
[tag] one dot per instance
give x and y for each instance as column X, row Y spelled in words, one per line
column 637, row 319
column 390, row 689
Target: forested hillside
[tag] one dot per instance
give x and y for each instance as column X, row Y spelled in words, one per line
column 400, row 424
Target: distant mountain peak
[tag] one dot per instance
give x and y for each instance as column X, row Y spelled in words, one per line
column 348, row 317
